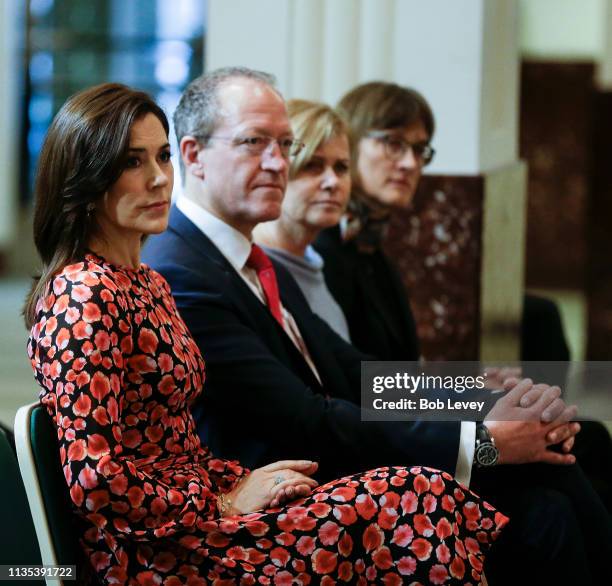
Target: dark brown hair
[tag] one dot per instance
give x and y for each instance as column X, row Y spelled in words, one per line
column 83, row 154
column 380, row 105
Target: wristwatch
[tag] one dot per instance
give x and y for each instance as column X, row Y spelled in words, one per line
column 486, row 452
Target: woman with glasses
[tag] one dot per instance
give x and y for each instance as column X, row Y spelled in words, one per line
column 316, row 198
column 118, row 371
column 391, row 129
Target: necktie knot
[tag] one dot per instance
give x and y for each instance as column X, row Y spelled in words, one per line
column 258, row 261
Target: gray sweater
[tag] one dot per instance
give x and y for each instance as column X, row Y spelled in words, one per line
column 308, row 272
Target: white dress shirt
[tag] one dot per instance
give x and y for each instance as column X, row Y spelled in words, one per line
column 236, row 248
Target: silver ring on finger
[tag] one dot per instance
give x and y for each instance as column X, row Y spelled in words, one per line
column 278, row 479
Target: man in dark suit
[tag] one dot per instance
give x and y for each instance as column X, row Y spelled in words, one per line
column 279, row 382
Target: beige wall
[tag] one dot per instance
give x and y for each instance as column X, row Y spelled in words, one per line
column 562, row 29
column 461, row 55
column 568, row 30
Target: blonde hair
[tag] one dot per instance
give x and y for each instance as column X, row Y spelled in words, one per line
column 314, row 124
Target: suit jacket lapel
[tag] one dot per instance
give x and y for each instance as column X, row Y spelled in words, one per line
column 312, row 342
column 195, row 239
column 236, row 288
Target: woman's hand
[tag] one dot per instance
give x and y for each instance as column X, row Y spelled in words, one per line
column 272, row 485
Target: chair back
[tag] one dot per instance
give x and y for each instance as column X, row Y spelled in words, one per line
column 46, row 489
column 18, row 545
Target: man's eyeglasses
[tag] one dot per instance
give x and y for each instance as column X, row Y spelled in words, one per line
column 259, row 144
column 396, row 147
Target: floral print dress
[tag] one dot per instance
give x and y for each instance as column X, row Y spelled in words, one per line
column 118, row 370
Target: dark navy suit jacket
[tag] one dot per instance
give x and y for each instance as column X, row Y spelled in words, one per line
column 261, row 401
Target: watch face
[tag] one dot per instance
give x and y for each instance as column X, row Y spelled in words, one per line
column 487, row 455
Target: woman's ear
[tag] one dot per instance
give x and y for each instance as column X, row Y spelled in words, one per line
column 190, row 153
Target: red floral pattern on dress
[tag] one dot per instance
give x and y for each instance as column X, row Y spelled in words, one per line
column 118, row 370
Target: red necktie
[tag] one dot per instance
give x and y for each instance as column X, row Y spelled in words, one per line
column 259, row 261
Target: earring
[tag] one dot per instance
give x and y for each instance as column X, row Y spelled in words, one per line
column 90, row 209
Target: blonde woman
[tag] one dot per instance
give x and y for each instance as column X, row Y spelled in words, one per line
column 316, row 198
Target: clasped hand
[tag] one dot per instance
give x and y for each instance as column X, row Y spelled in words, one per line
column 528, row 420
column 272, row 485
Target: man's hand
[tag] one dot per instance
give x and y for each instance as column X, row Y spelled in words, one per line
column 529, row 419
column 547, row 399
column 541, row 398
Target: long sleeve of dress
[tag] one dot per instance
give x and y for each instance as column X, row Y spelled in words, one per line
column 99, row 360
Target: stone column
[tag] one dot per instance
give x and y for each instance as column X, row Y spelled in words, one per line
column 461, row 248
column 566, row 99
column 599, row 218
column 341, row 48
column 376, row 35
column 307, row 49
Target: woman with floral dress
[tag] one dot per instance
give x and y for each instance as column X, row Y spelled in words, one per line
column 118, row 370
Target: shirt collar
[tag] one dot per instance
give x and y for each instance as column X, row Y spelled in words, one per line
column 233, row 245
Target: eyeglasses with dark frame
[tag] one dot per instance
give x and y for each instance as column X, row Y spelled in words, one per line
column 257, row 144
column 396, row 147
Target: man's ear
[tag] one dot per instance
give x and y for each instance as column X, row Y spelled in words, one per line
column 191, row 154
